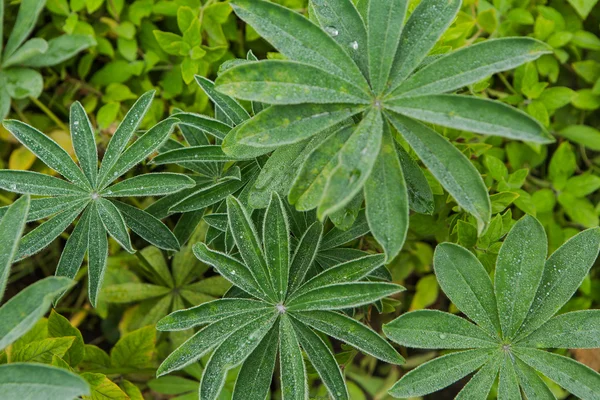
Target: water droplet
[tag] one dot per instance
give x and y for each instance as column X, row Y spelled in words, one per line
column 442, row 336
column 354, row 45
column 332, row 30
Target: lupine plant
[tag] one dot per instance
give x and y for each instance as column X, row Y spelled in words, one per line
column 366, row 64
column 277, row 312
column 21, row 380
column 90, row 191
column 511, row 320
column 20, row 58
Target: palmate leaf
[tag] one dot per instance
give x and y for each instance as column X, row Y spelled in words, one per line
column 513, row 325
column 279, row 309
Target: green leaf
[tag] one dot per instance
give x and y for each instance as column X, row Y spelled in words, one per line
column 582, row 134
column 34, row 381
column 123, row 135
column 468, row 285
column 472, row 114
column 148, row 227
column 462, row 180
column 433, row 329
column 212, row 153
column 350, row 271
column 341, row 20
column 135, row 349
column 508, row 383
column 22, row 311
column 532, row 384
column 37, row 239
column 573, row 330
column 519, row 269
column 232, row 352
column 577, row 378
column 75, row 248
column 103, row 388
column 384, row 27
column 246, row 239
column 48, row 151
column 21, row 83
column 84, row 142
column 355, row 162
column 563, row 273
column 29, row 182
column 276, row 241
column 203, row 123
column 11, row 229
column 32, row 48
column 150, row 184
column 425, row 26
column 420, row 196
column 254, row 379
column 471, row 64
column 42, row 351
column 114, row 223
column 29, row 10
column 386, row 199
column 229, row 106
column 133, row 292
column 293, row 371
column 350, row 331
column 206, row 313
column 439, row 373
column 583, row 7
column 288, row 82
column 61, row 49
column 231, row 269
column 344, row 295
column 304, row 255
column 140, row 149
column 283, row 125
column 479, row 386
column 299, row 39
column 59, row 326
column 97, row 254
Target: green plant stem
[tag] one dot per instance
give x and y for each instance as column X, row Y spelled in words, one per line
column 49, row 113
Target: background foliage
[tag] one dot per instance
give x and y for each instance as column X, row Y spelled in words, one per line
column 137, row 46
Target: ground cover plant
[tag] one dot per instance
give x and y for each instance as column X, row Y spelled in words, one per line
column 298, row 199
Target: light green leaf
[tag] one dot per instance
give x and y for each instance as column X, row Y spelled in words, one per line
column 276, row 242
column 11, row 228
column 577, row 378
column 304, row 255
column 148, row 227
column 61, row 49
column 468, row 285
column 132, row 292
column 386, row 198
column 293, row 371
column 472, row 114
column 150, row 184
column 433, row 329
column 288, row 82
column 246, row 239
column 32, row 48
column 573, row 330
column 355, row 162
column 344, row 295
column 203, row 123
column 114, row 223
column 563, row 273
column 103, row 388
column 471, row 64
column 480, row 385
column 229, row 106
column 211, row 153
column 232, row 352
column 350, row 331
column 461, row 180
column 59, row 326
column 37, row 239
column 135, row 349
column 384, row 27
column 582, row 134
column 29, row 10
column 97, row 254
column 48, row 151
column 425, row 26
column 299, row 39
column 518, row 272
column 42, row 351
column 29, row 182
column 123, row 135
column 22, row 311
column 84, row 142
column 439, row 373
column 140, row 149
column 21, row 83
column 35, row 381
column 254, row 379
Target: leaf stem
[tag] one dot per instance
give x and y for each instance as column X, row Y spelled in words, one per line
column 49, row 113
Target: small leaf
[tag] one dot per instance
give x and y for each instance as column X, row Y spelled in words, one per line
column 276, row 242
column 291, row 362
column 203, row 123
column 59, row 326
column 114, row 223
column 97, row 254
column 508, row 383
column 480, row 385
column 26, row 20
column 212, row 153
column 29, row 182
column 532, row 384
column 60, row 49
column 304, row 255
column 150, row 184
column 229, row 106
column 135, row 349
column 11, row 229
column 84, row 142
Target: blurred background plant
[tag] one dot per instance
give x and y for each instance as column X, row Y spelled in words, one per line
column 136, row 46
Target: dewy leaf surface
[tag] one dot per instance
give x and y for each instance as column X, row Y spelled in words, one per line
column 11, row 228
column 35, row 381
